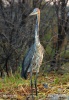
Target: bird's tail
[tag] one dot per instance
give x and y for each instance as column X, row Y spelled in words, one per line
column 23, row 74
column 24, row 71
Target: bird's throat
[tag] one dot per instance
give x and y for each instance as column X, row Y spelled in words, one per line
column 37, row 41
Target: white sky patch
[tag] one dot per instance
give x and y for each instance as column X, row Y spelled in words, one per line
column 56, row 0
column 6, row 3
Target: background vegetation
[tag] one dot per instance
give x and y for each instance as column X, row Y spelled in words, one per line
column 17, row 32
column 17, row 35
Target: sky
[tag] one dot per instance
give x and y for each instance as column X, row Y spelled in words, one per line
column 57, row 0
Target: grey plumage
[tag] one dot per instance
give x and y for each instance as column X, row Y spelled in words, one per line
column 33, row 59
column 27, row 61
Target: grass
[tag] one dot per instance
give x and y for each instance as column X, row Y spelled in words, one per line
column 16, row 80
column 16, row 85
column 56, row 80
column 65, row 78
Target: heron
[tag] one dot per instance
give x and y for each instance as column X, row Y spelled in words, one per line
column 33, row 58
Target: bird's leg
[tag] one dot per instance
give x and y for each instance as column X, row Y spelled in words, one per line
column 31, row 83
column 36, row 83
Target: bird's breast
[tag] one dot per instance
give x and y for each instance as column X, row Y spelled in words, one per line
column 39, row 52
column 36, row 59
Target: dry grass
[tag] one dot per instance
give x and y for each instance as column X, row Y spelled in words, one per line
column 18, row 88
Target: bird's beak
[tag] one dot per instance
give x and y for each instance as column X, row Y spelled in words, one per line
column 32, row 14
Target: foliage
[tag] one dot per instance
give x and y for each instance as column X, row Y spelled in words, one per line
column 17, row 35
column 17, row 32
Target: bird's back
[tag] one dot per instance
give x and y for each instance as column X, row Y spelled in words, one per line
column 27, row 61
column 33, row 60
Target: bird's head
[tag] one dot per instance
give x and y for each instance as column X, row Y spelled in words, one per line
column 35, row 11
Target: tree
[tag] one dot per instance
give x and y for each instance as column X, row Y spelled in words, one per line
column 62, row 18
column 14, row 33
column 11, row 34
column 17, row 31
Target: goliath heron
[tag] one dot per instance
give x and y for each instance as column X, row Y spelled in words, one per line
column 33, row 59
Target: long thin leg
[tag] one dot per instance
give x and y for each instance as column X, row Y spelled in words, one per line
column 36, row 83
column 31, row 83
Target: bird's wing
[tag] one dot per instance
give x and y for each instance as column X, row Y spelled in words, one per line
column 27, row 61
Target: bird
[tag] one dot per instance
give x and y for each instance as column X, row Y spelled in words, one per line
column 34, row 56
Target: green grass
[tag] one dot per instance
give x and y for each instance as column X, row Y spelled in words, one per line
column 13, row 81
column 0, row 85
column 16, row 79
column 56, row 80
column 52, row 79
column 65, row 78
column 61, row 79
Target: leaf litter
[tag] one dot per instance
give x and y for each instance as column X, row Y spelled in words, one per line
column 22, row 91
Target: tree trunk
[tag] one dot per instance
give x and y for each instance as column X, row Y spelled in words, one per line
column 62, row 39
column 6, row 64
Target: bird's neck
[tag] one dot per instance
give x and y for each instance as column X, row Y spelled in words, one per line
column 37, row 41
